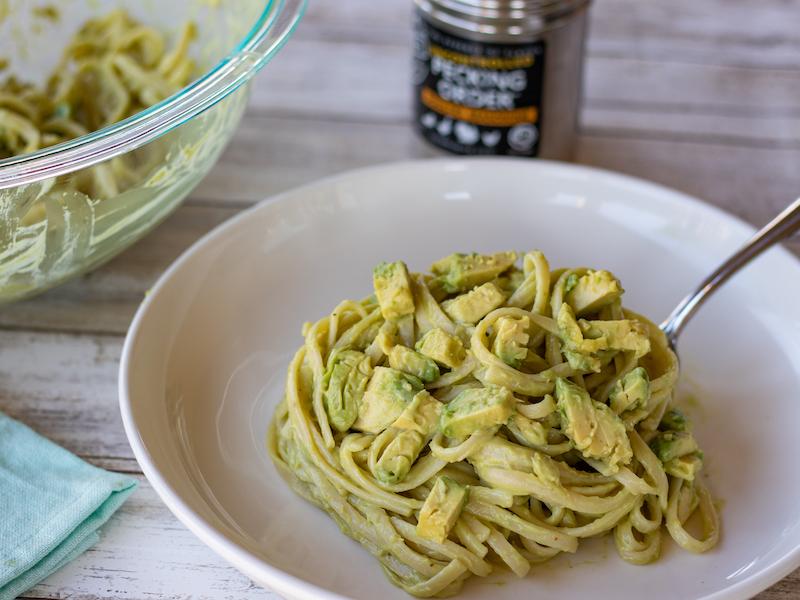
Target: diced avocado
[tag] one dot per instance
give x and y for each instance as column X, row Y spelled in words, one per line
column 591, row 426
column 514, row 279
column 388, row 393
column 582, row 354
column 631, row 392
column 674, row 420
column 393, row 290
column 673, row 444
column 571, row 282
column 511, row 340
column 593, row 291
column 572, row 335
column 625, row 335
column 414, row 428
column 344, row 383
column 441, row 509
column 475, row 409
column 442, row 347
column 583, row 362
column 473, row 306
column 533, row 363
column 499, row 452
column 418, row 365
column 527, row 430
column 398, row 456
column 422, row 415
column 685, row 467
column 462, row 272
column 545, row 468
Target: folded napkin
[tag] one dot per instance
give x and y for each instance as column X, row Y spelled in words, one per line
column 51, row 506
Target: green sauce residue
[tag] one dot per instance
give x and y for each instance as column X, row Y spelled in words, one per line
column 49, row 12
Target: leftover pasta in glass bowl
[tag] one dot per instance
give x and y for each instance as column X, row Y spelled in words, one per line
column 110, row 114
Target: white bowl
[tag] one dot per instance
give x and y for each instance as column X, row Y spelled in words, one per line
column 205, row 358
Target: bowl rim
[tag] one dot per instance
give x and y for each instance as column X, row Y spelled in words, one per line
column 286, row 583
column 272, row 29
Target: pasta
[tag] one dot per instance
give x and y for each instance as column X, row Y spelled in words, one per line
column 489, row 414
column 113, row 68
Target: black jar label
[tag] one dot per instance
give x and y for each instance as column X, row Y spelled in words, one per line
column 477, row 97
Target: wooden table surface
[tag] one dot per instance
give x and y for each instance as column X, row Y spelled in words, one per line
column 700, row 96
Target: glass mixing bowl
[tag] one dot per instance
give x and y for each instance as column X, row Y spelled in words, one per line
column 49, row 231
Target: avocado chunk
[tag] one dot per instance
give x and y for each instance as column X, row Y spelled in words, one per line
column 593, row 291
column 344, row 383
column 527, row 431
column 685, row 467
column 393, row 290
column 571, row 333
column 398, row 457
column 631, row 392
column 582, row 354
column 546, row 469
column 511, row 280
column 511, row 340
column 591, row 363
column 674, row 420
column 441, row 509
column 462, row 272
column 592, row 426
column 388, row 393
column 422, row 415
column 475, row 409
column 571, row 282
column 501, row 453
column 625, row 335
column 673, row 444
column 474, row 305
column 445, row 349
column 414, row 427
column 409, row 361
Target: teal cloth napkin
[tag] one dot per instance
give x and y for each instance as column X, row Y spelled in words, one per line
column 51, row 505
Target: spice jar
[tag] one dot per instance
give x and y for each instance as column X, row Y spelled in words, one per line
column 499, row 76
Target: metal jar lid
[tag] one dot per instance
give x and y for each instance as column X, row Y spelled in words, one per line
column 500, row 20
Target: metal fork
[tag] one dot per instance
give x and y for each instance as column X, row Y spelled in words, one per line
column 781, row 227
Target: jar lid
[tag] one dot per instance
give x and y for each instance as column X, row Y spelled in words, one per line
column 506, row 18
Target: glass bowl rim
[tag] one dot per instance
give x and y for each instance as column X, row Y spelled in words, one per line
column 269, row 33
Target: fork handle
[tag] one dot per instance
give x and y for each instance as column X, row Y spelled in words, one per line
column 779, row 228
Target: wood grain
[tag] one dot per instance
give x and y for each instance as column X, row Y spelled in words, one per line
column 145, row 552
column 700, row 96
column 293, row 84
column 723, row 32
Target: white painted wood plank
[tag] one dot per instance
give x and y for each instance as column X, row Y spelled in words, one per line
column 144, row 552
column 741, row 32
column 770, row 129
column 749, row 90
column 628, row 93
column 65, row 388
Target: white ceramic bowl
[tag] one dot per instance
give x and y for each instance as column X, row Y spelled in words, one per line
column 204, row 363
